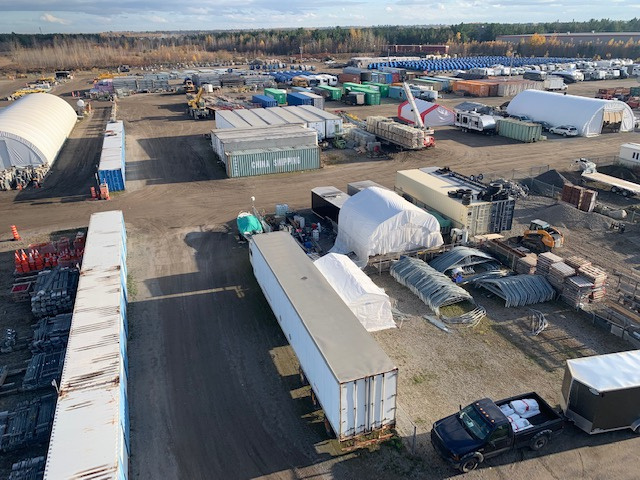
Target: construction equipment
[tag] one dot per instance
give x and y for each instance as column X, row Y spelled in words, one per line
column 196, row 106
column 541, row 237
column 189, row 87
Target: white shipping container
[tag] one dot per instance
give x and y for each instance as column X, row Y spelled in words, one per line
column 630, row 155
column 312, row 120
column 353, row 379
column 333, row 123
column 229, row 119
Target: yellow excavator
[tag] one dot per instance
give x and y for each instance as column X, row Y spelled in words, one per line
column 196, row 106
column 541, row 237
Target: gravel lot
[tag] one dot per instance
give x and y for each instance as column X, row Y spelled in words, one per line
column 213, row 385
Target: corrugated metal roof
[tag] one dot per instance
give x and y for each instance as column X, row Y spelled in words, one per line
column 40, row 121
column 350, row 351
column 86, row 436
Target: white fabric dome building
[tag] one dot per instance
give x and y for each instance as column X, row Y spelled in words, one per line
column 33, row 130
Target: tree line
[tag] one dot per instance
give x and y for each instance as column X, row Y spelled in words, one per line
column 30, row 51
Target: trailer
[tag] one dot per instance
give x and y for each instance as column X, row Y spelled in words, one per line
column 619, row 186
column 602, row 393
column 475, row 122
column 351, row 377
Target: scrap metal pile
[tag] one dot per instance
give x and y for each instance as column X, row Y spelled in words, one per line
column 51, row 333
column 54, row 292
column 29, row 423
column 519, row 290
column 13, row 177
column 435, row 289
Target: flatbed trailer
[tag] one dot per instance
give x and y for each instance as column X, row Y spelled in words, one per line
column 622, row 187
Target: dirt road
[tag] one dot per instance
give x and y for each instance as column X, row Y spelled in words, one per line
column 213, row 385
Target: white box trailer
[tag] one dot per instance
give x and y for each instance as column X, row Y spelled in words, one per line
column 629, row 155
column 312, row 120
column 333, row 123
column 353, row 379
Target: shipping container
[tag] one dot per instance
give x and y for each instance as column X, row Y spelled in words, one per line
column 265, row 161
column 348, row 77
column 264, row 101
column 436, row 189
column 382, row 88
column 352, row 378
column 311, row 119
column 335, row 92
column 326, row 202
column 297, row 98
column 355, row 187
column 268, row 116
column 229, row 119
column 472, row 88
column 629, row 155
column 333, row 123
column 250, row 117
column 428, row 82
column 225, row 141
column 111, row 169
column 278, row 94
column 91, row 425
column 317, row 101
column 518, row 130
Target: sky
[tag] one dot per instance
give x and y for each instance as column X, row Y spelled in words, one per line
column 90, row 16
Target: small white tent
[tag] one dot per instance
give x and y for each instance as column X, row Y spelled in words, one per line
column 586, row 114
column 433, row 115
column 376, row 221
column 366, row 300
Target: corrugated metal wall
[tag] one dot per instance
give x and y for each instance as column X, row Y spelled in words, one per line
column 249, row 163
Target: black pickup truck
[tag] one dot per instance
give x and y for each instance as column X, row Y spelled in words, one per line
column 482, row 430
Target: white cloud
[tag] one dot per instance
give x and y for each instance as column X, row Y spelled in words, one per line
column 388, row 9
column 47, row 17
column 157, row 19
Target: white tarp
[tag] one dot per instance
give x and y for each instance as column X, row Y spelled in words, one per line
column 586, row 114
column 33, row 130
column 377, row 221
column 366, row 300
column 433, row 115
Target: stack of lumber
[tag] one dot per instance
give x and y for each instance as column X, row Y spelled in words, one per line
column 526, row 265
column 576, row 262
column 558, row 273
column 54, row 292
column 598, row 277
column 398, row 133
column 545, row 260
column 576, row 291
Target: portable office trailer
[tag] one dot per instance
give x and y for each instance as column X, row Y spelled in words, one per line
column 355, row 187
column 441, row 190
column 288, row 116
column 630, row 155
column 326, row 202
column 312, row 120
column 268, row 116
column 354, row 381
column 225, row 141
column 265, row 161
column 475, row 121
column 111, row 169
column 229, row 119
column 332, row 122
column 602, row 393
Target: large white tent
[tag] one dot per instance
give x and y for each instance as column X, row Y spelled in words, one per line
column 376, row 221
column 586, row 114
column 432, row 114
column 33, row 130
column 366, row 300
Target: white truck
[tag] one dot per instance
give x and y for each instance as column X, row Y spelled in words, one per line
column 554, row 83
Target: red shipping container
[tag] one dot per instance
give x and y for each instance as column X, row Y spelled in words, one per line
column 348, row 77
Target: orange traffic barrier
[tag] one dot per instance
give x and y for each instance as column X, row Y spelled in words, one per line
column 93, row 193
column 104, row 191
column 14, row 232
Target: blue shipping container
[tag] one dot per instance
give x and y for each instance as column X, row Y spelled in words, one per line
column 296, row 98
column 111, row 169
column 264, row 100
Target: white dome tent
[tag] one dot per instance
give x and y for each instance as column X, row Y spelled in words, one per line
column 377, row 221
column 364, row 298
column 433, row 114
column 586, row 114
column 33, row 130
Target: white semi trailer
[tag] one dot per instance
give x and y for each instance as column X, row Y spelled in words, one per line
column 352, row 378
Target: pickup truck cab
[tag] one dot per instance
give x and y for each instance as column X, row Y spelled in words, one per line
column 486, row 429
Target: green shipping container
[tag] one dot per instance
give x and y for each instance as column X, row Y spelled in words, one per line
column 278, row 94
column 634, row 91
column 336, row 92
column 517, row 130
column 248, row 163
column 383, row 88
column 371, row 96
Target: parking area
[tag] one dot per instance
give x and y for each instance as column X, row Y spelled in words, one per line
column 213, row 384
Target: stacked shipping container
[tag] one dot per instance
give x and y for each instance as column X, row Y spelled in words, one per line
column 111, row 169
column 91, row 425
